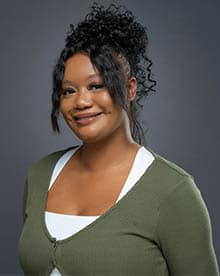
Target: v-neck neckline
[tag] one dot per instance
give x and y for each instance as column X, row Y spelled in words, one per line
column 100, row 217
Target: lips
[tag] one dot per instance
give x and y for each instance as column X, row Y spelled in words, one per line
column 86, row 120
column 86, row 115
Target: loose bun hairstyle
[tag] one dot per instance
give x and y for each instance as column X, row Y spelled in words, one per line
column 117, row 45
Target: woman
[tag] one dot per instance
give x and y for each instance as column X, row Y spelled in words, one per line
column 110, row 206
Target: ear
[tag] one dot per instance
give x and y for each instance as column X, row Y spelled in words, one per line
column 132, row 88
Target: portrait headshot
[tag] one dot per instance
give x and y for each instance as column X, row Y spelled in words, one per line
column 110, row 138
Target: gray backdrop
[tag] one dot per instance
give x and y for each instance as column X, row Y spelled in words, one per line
column 182, row 117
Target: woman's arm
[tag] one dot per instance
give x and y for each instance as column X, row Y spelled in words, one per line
column 185, row 234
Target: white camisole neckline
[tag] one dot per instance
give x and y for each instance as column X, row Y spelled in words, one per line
column 61, row 226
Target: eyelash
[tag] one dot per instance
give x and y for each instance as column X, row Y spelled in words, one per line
column 64, row 90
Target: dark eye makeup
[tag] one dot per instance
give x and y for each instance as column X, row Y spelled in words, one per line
column 92, row 86
column 96, row 85
column 67, row 91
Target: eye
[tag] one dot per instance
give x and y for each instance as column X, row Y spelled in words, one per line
column 67, row 91
column 95, row 86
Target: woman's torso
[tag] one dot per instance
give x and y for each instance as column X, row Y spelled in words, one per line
column 126, row 239
column 79, row 192
column 68, row 205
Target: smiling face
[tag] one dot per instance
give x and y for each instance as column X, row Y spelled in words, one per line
column 83, row 91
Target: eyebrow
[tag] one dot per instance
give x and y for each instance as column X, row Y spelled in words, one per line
column 88, row 78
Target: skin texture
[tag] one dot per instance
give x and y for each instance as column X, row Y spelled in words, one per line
column 92, row 179
column 108, row 139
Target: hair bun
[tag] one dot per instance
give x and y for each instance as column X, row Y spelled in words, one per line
column 114, row 26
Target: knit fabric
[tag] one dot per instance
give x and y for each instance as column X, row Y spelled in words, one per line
column 61, row 226
column 160, row 227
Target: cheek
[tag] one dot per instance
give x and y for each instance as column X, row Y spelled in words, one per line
column 107, row 102
column 64, row 110
column 115, row 110
column 64, row 107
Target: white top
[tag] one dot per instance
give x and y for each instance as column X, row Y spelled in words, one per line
column 61, row 226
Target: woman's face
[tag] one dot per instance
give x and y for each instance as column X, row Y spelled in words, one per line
column 83, row 92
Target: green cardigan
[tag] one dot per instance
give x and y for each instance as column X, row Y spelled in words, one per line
column 160, row 227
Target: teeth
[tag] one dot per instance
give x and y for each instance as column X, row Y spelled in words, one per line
column 88, row 116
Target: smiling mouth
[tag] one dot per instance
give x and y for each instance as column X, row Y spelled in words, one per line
column 86, row 117
column 87, row 120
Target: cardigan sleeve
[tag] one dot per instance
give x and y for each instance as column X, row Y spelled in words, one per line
column 24, row 201
column 184, row 232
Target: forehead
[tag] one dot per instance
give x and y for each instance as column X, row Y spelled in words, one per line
column 79, row 66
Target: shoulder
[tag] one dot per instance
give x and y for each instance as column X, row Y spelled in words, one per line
column 48, row 161
column 182, row 225
column 165, row 176
column 169, row 167
column 175, row 194
column 163, row 188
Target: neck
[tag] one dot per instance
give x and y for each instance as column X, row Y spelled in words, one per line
column 107, row 154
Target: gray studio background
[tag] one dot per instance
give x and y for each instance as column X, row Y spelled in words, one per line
column 182, row 117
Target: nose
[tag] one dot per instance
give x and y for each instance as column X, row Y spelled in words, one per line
column 83, row 99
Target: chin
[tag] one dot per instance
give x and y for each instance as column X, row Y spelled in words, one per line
column 92, row 135
column 88, row 138
column 91, row 139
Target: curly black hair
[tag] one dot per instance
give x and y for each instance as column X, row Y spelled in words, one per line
column 117, row 45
